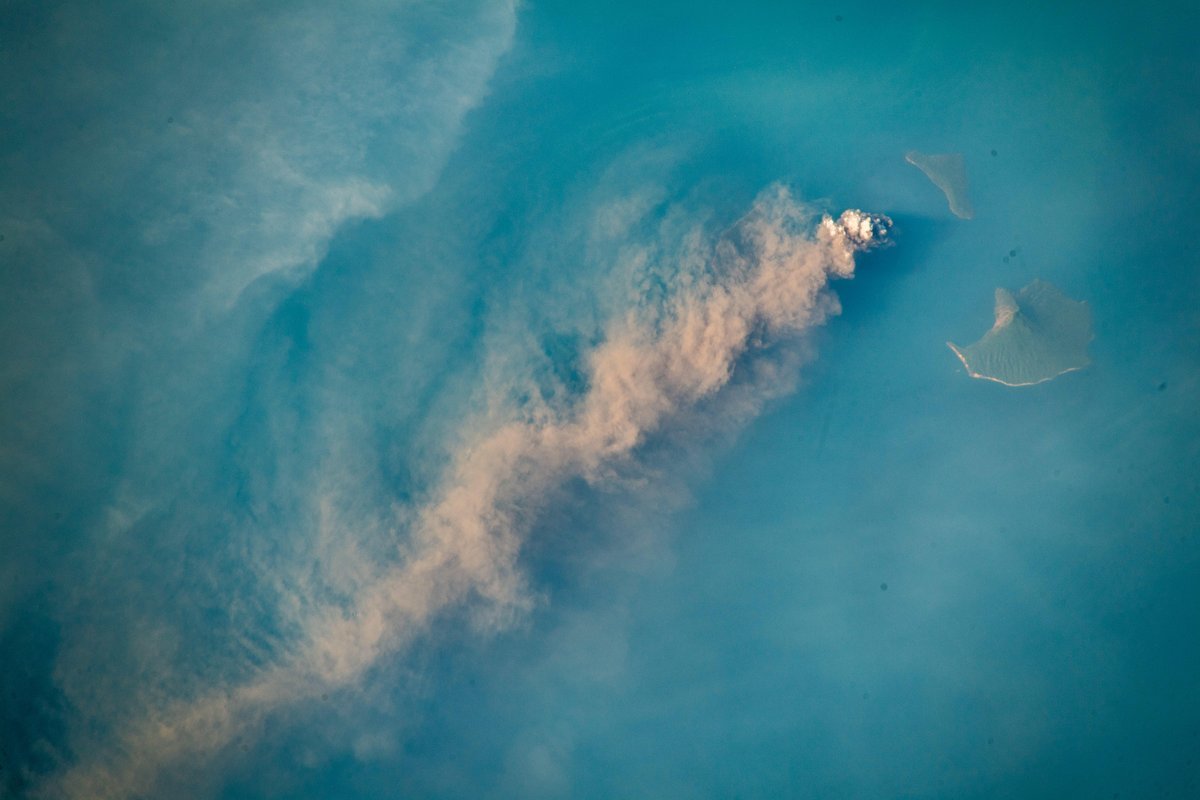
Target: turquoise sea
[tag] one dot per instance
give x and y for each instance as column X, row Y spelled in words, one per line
column 356, row 440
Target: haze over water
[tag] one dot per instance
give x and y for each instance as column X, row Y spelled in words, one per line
column 357, row 438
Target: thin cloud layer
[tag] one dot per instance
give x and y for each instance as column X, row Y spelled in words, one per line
column 171, row 173
column 219, row 145
column 161, row 159
column 760, row 284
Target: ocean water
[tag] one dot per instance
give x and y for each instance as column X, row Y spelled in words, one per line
column 302, row 309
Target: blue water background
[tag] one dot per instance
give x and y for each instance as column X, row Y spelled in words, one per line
column 897, row 582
